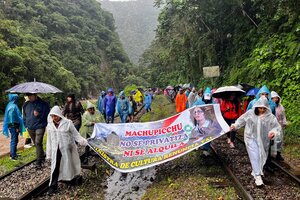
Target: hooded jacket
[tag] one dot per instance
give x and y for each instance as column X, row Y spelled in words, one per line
column 109, row 103
column 63, row 138
column 147, row 100
column 256, row 133
column 12, row 115
column 280, row 112
column 88, row 121
column 263, row 89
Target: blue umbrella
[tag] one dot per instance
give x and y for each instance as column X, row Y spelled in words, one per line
column 252, row 92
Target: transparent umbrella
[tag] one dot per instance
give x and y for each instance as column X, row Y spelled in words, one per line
column 34, row 88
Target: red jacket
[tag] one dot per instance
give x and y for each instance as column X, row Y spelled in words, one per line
column 230, row 110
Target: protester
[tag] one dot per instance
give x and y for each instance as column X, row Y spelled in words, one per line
column 100, row 103
column 28, row 143
column 180, row 101
column 187, row 93
column 147, row 101
column 89, row 118
column 123, row 107
column 138, row 97
column 263, row 91
column 73, row 111
column 13, row 124
column 191, row 97
column 281, row 118
column 206, row 99
column 199, row 94
column 231, row 110
column 109, row 105
column 35, row 113
column 133, row 108
column 62, row 150
column 260, row 126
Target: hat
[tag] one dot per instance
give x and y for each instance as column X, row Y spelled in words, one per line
column 207, row 96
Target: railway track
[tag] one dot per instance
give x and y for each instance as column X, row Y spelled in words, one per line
column 26, row 182
column 280, row 185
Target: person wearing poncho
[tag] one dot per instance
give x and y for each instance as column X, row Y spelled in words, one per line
column 62, row 149
column 13, row 124
column 260, row 126
column 89, row 118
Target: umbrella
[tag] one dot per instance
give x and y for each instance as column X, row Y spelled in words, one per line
column 170, row 87
column 225, row 91
column 252, row 92
column 34, row 88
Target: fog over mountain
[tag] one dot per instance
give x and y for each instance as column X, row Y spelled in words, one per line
column 136, row 22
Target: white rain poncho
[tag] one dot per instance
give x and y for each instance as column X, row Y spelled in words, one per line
column 64, row 138
column 256, row 133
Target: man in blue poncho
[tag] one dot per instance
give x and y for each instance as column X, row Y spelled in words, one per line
column 13, row 124
column 123, row 107
column 109, row 105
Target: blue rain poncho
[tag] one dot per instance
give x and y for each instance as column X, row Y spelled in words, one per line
column 263, row 89
column 256, row 133
column 100, row 102
column 109, row 104
column 147, row 100
column 123, row 107
column 12, row 115
column 206, row 98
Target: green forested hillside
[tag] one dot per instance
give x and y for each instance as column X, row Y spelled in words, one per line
column 136, row 22
column 71, row 44
column 256, row 42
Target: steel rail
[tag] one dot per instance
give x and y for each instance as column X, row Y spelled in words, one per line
column 238, row 185
column 274, row 162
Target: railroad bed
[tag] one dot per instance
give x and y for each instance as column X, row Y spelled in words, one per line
column 277, row 186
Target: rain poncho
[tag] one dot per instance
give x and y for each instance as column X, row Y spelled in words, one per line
column 180, row 102
column 147, row 101
column 206, row 98
column 64, row 138
column 123, row 107
column 109, row 104
column 263, row 89
column 12, row 115
column 88, row 120
column 138, row 96
column 281, row 118
column 187, row 93
column 100, row 102
column 256, row 133
column 191, row 98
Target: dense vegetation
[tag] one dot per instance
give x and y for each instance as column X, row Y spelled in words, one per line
column 136, row 22
column 253, row 41
column 71, row 44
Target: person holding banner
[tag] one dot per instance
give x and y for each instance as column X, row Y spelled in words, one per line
column 89, row 118
column 204, row 127
column 62, row 149
column 260, row 127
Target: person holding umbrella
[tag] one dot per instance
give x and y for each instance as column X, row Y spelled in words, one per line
column 13, row 124
column 35, row 112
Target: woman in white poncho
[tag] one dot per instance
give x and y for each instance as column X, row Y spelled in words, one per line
column 61, row 148
column 260, row 126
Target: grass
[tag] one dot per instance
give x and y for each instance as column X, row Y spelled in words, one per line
column 161, row 109
column 26, row 156
column 291, row 145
